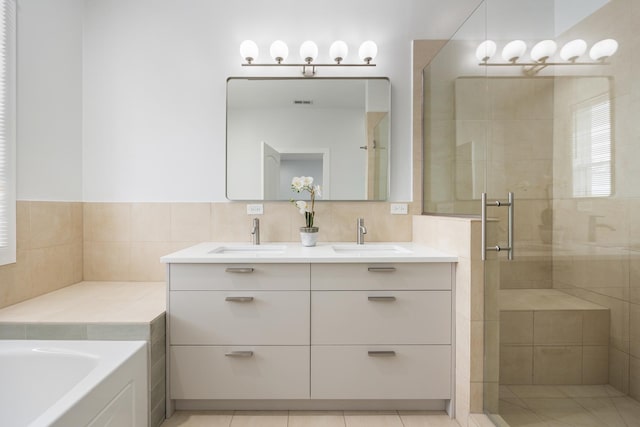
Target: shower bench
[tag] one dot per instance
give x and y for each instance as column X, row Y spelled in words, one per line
column 548, row 336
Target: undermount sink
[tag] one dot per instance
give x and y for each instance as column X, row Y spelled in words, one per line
column 366, row 249
column 249, row 250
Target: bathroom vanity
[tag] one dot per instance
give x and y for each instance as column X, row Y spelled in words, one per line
column 335, row 326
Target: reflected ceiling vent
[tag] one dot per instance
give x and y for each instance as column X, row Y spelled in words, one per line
column 303, row 102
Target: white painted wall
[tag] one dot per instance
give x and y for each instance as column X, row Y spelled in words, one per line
column 133, row 109
column 49, row 137
column 155, row 73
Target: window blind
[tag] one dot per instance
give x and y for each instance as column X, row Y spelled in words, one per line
column 592, row 174
column 7, row 131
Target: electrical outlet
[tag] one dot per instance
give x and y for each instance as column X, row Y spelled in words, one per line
column 256, row 209
column 399, row 209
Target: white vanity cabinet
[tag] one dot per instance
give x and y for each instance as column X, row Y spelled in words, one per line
column 381, row 331
column 239, row 331
column 309, row 333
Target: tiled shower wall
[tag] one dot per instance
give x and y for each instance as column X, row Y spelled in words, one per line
column 49, row 251
column 603, row 233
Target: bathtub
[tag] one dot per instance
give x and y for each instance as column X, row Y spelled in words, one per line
column 73, row 383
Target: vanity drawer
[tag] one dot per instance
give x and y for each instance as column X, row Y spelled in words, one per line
column 239, row 317
column 381, row 372
column 253, row 372
column 387, row 276
column 381, row 317
column 239, row 276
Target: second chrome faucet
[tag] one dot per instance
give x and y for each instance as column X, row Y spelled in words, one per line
column 361, row 230
column 255, row 231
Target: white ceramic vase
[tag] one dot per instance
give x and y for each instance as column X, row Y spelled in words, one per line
column 309, row 236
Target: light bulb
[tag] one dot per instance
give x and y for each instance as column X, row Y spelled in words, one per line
column 543, row 50
column 513, row 50
column 573, row 50
column 308, row 51
column 338, row 51
column 368, row 51
column 603, row 49
column 279, row 51
column 249, row 50
column 486, row 50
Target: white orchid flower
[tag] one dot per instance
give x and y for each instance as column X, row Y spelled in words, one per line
column 307, row 180
column 318, row 191
column 297, row 182
column 302, row 206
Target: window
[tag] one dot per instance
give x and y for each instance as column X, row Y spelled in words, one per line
column 592, row 148
column 7, row 131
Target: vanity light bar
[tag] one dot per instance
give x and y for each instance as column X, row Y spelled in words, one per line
column 308, row 52
column 543, row 51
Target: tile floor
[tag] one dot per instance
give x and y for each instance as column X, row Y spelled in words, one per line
column 310, row 419
column 562, row 406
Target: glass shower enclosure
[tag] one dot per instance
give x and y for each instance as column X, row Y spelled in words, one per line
column 557, row 124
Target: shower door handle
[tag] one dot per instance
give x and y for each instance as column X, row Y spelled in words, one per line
column 510, row 203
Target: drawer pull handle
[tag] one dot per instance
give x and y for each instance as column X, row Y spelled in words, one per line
column 239, row 354
column 383, row 353
column 382, row 269
column 382, row 298
column 239, row 269
column 239, row 299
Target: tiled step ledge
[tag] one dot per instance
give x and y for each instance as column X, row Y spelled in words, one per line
column 99, row 311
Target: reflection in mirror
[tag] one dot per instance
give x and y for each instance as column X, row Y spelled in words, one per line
column 335, row 130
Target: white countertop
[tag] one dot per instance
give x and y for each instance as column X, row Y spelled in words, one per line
column 294, row 252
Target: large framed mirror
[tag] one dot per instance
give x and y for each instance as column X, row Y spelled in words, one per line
column 336, row 130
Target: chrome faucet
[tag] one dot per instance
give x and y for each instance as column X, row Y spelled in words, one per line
column 361, row 230
column 593, row 225
column 255, row 231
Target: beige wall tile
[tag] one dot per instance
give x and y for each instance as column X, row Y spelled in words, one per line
column 190, row 222
column 516, row 327
column 107, row 222
column 476, row 398
column 107, row 260
column 384, row 227
column 516, row 364
column 634, row 378
column 557, row 365
column 619, row 369
column 50, row 224
column 595, row 364
column 7, row 283
column 23, row 225
column 281, row 222
column 491, row 351
column 151, row 222
column 344, row 216
column 634, row 329
column 480, row 294
column 77, row 222
column 51, row 269
column 463, row 288
column 595, row 327
column 230, row 223
column 145, row 261
column 477, row 350
column 557, row 327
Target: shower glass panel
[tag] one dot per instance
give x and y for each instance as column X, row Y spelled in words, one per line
column 562, row 320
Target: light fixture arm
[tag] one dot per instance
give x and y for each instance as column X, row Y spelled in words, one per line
column 308, row 70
